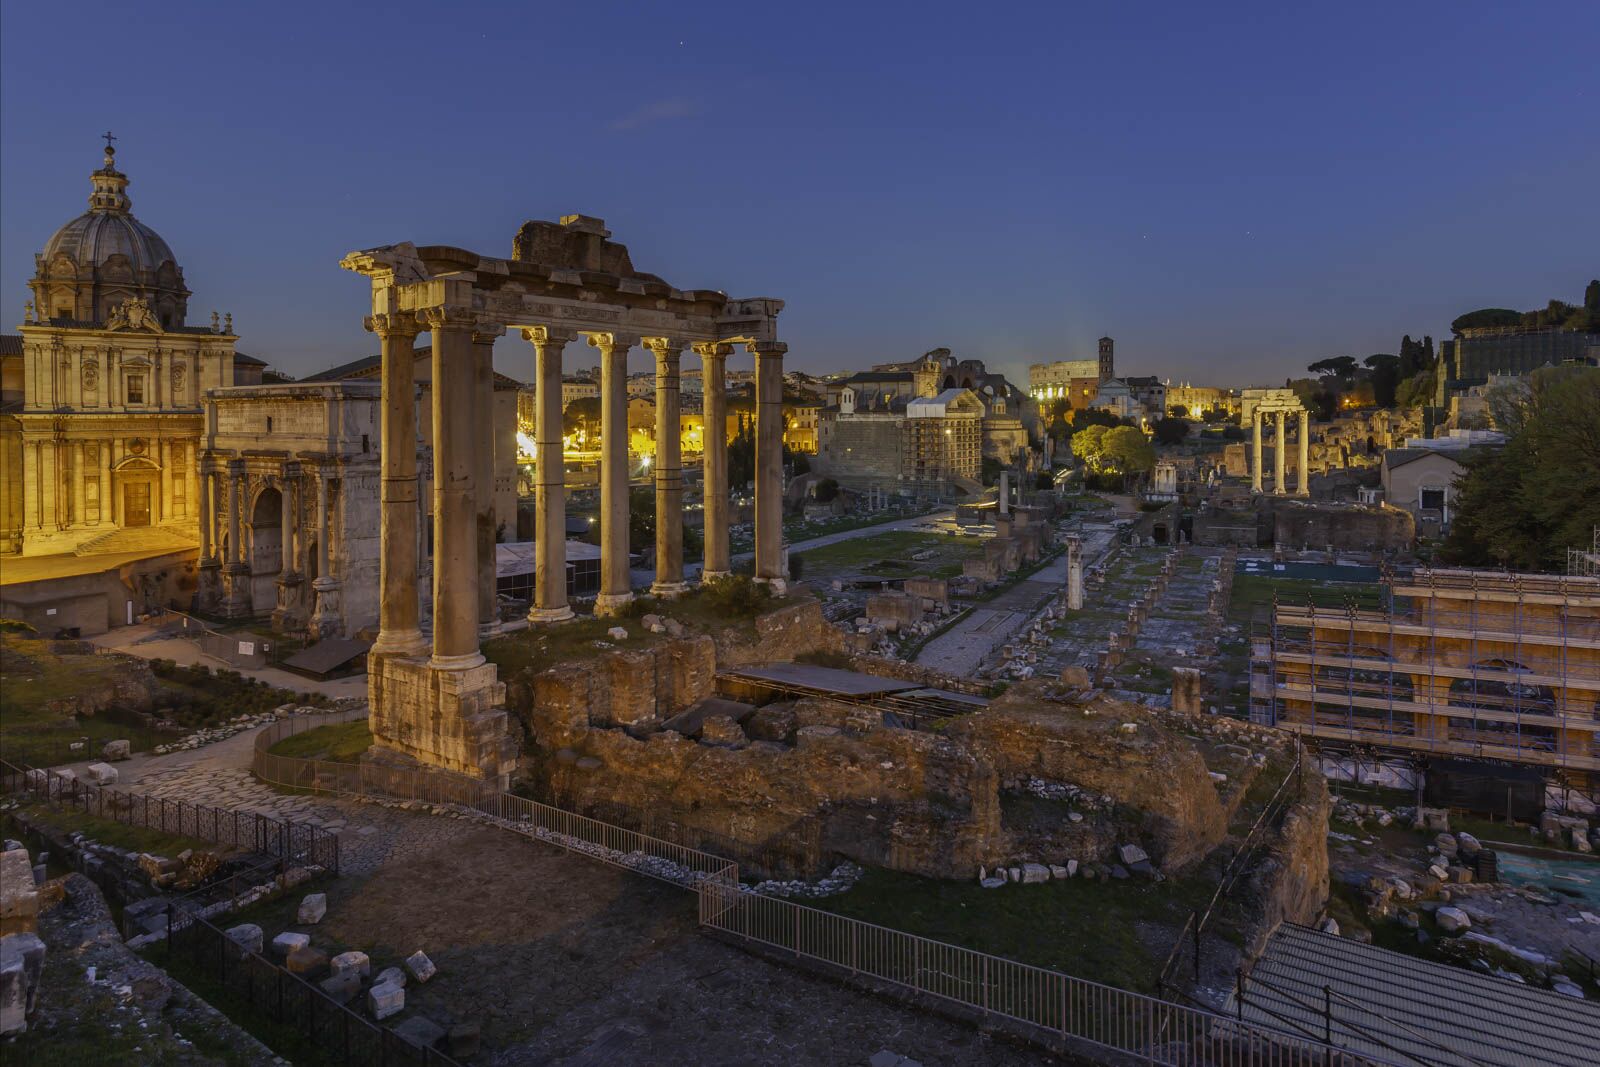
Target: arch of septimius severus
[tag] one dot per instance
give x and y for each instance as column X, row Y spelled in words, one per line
column 444, row 706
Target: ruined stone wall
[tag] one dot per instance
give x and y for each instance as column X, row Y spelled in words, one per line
column 1290, row 882
column 1153, row 775
column 1348, row 528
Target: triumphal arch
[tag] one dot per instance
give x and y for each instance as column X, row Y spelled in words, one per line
column 444, row 705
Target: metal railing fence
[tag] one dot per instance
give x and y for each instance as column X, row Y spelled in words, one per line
column 1052, row 1006
column 291, row 843
column 616, row 845
column 323, row 1030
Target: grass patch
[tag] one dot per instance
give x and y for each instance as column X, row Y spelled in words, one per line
column 1113, row 932
column 890, row 555
column 110, row 832
column 340, row 743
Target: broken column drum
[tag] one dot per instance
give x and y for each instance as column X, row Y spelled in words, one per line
column 564, row 280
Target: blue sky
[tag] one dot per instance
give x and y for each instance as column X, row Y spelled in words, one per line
column 1231, row 191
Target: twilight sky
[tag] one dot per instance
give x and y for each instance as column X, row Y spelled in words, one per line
column 1229, row 190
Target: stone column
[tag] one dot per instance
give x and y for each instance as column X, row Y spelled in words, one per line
column 769, row 464
column 1005, row 493
column 236, row 573
column 714, row 457
column 1280, row 454
column 398, row 629
column 327, row 617
column 550, row 487
column 164, row 455
column 614, row 580
column 206, row 518
column 80, row 481
column 669, row 470
column 1255, row 450
column 285, row 525
column 1074, row 572
column 455, row 536
column 191, row 497
column 104, row 517
column 483, row 472
column 1304, row 480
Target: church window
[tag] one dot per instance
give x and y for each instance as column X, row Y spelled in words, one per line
column 136, row 389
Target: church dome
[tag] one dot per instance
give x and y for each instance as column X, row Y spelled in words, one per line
column 106, row 256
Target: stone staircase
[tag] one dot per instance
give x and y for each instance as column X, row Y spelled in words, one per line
column 138, row 539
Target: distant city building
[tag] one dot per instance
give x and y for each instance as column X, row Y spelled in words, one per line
column 1476, row 355
column 1073, row 380
column 1196, row 400
column 916, row 445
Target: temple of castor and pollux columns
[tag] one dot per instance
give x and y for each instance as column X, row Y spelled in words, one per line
column 443, row 706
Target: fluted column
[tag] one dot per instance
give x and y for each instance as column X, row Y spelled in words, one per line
column 455, row 537
column 164, row 455
column 204, row 503
column 324, row 556
column 1304, row 481
column 615, row 588
column 1280, row 454
column 483, row 471
column 80, row 481
column 104, row 517
column 398, row 630
column 235, row 508
column 285, row 525
column 714, row 457
column 769, row 464
column 191, row 496
column 669, row 470
column 1255, row 449
column 550, row 487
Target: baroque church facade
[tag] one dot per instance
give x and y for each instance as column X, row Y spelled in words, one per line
column 102, row 417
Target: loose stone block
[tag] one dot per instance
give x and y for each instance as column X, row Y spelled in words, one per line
column 385, row 1000
column 285, row 943
column 312, row 909
column 19, row 896
column 355, row 963
column 342, row 988
column 117, row 750
column 248, row 936
column 1132, row 854
column 101, row 773
column 306, row 960
column 1035, row 873
column 390, row 976
column 1452, row 920
column 21, row 962
column 420, row 966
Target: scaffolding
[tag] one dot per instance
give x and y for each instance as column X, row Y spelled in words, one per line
column 1459, row 664
column 1585, row 562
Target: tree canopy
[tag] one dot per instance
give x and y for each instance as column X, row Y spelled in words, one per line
column 1524, row 505
column 1127, row 449
column 1088, row 442
column 1338, row 366
column 1171, row 431
column 1585, row 316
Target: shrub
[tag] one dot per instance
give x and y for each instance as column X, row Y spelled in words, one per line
column 737, row 596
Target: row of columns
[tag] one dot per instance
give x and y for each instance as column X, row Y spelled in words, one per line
column 464, row 525
column 60, row 471
column 1280, row 451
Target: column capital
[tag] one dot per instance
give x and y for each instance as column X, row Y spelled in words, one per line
column 541, row 336
column 712, row 349
column 487, row 331
column 664, row 347
column 393, row 323
column 607, row 342
column 766, row 348
column 453, row 317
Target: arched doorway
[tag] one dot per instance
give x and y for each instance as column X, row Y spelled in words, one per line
column 264, row 546
column 136, row 489
column 949, row 381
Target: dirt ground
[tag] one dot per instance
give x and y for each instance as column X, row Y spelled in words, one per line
column 563, row 960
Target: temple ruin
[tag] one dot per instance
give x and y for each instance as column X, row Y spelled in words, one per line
column 444, row 706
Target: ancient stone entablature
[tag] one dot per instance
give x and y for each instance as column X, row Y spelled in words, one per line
column 565, row 280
